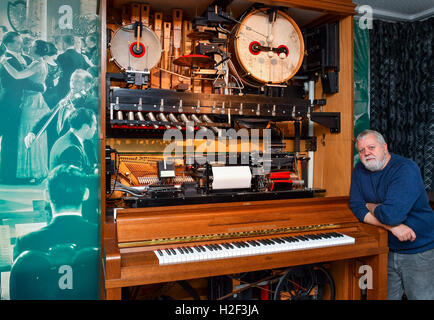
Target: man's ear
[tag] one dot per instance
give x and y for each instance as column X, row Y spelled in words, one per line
column 385, row 148
column 86, row 194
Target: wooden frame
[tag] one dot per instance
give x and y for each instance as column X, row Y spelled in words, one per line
column 332, row 169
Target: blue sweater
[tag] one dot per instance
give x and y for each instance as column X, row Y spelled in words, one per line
column 400, row 191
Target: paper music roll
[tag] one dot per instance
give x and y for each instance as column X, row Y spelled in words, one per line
column 236, row 177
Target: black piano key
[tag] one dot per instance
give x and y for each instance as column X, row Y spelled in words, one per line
column 251, row 242
column 333, row 234
column 301, row 238
column 159, row 252
column 173, row 251
column 168, row 252
column 180, row 250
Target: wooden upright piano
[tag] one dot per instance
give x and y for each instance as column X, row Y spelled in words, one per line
column 137, row 239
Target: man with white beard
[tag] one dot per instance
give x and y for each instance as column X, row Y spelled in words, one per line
column 387, row 191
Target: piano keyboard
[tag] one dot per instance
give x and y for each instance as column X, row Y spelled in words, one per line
column 238, row 249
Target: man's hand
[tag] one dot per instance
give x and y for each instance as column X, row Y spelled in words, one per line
column 403, row 232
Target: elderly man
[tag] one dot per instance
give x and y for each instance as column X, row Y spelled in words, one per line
column 387, row 191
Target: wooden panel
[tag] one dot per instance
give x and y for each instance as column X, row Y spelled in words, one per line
column 343, row 7
column 144, row 14
column 155, row 72
column 333, row 158
column 161, row 222
column 101, row 130
column 135, row 12
column 165, row 76
column 176, row 41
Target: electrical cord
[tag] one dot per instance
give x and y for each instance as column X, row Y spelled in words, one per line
column 304, row 293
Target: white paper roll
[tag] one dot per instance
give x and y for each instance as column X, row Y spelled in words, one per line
column 236, row 177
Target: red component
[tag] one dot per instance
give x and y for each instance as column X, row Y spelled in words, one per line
column 264, row 292
column 285, row 48
column 138, row 53
column 280, row 177
column 252, row 48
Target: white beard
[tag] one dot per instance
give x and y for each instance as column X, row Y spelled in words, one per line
column 374, row 165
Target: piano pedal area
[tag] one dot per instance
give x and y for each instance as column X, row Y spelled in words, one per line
column 305, row 282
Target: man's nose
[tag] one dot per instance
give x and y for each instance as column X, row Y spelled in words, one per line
column 366, row 152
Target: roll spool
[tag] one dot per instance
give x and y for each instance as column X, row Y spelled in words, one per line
column 231, row 177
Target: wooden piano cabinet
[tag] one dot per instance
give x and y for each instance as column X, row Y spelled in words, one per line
column 124, row 267
column 112, row 260
column 128, row 263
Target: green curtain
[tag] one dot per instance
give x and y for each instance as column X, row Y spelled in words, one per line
column 361, row 81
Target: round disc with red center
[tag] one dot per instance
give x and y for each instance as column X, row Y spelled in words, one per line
column 137, row 51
